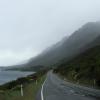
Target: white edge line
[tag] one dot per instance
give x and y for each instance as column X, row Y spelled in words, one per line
column 42, row 98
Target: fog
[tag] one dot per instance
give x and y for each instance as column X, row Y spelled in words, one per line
column 27, row 27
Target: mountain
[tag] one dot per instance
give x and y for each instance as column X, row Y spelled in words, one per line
column 85, row 68
column 69, row 47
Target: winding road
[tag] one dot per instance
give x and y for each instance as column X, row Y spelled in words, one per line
column 55, row 88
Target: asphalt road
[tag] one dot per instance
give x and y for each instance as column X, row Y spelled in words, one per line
column 55, row 88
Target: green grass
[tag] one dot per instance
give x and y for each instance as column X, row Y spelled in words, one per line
column 30, row 91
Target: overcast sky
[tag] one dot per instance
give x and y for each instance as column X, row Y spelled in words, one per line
column 27, row 27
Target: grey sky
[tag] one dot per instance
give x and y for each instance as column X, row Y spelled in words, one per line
column 27, row 27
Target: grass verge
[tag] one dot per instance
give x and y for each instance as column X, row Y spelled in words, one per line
column 30, row 90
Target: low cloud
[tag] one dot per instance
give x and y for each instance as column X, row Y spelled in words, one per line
column 9, row 57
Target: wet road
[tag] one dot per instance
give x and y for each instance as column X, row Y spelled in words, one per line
column 55, row 88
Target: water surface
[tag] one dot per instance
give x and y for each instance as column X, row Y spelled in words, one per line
column 7, row 76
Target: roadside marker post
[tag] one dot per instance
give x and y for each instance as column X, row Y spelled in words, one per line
column 22, row 94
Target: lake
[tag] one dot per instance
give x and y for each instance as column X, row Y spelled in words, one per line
column 7, row 76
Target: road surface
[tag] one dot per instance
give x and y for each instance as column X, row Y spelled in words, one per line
column 55, row 88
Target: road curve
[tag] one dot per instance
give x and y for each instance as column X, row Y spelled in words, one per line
column 55, row 88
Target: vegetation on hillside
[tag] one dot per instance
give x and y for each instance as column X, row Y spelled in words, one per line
column 83, row 69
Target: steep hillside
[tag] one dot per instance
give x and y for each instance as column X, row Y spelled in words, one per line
column 70, row 47
column 84, row 68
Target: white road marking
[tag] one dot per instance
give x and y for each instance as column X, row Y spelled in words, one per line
column 42, row 98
